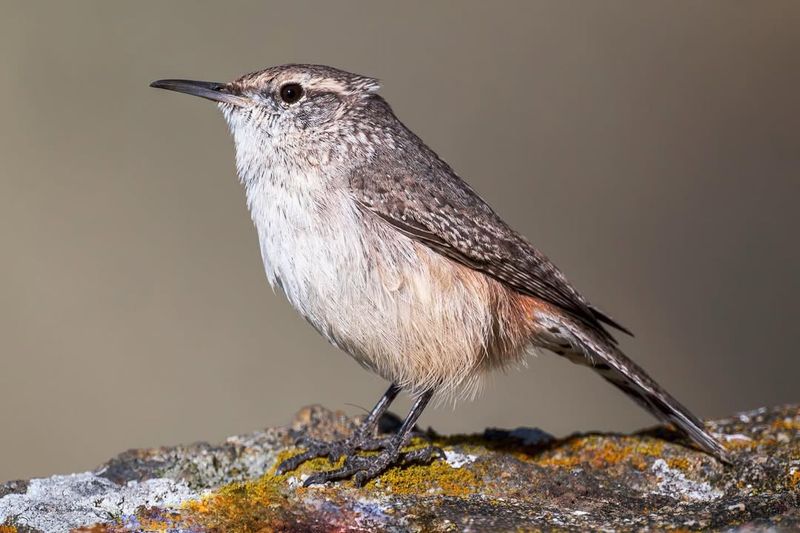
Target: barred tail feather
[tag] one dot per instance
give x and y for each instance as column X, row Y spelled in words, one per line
column 630, row 378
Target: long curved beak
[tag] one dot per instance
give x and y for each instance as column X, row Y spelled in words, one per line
column 211, row 90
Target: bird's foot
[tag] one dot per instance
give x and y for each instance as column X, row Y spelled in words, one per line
column 332, row 450
column 364, row 468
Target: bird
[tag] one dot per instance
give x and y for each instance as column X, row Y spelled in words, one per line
column 394, row 259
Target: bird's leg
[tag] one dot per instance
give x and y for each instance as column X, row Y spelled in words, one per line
column 364, row 468
column 363, row 438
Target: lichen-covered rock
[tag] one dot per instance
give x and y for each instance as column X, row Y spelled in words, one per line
column 497, row 481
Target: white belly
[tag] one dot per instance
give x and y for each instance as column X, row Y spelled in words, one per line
column 395, row 306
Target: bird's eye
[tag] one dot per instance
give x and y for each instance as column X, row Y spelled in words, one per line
column 291, row 93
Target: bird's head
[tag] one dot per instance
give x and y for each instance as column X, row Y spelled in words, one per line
column 290, row 112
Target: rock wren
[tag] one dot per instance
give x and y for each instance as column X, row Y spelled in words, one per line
column 393, row 258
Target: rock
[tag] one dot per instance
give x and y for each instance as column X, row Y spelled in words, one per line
column 497, row 481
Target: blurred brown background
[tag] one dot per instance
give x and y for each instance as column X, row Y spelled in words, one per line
column 651, row 149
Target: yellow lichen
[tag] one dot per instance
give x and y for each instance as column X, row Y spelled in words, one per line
column 437, row 477
column 239, row 505
column 679, row 463
column 601, row 453
column 252, row 505
column 786, row 424
column 741, row 444
column 236, row 507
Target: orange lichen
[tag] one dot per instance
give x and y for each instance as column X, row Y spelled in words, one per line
column 8, row 529
column 794, row 478
column 741, row 444
column 238, row 506
column 155, row 520
column 560, row 460
column 602, row 453
column 679, row 463
column 786, row 424
column 248, row 506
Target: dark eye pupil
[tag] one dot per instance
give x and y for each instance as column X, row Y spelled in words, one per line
column 291, row 92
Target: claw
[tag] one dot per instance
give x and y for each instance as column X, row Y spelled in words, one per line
column 314, row 448
column 305, row 441
column 291, row 463
column 315, row 479
column 423, row 455
column 360, row 479
column 372, row 444
column 334, row 455
column 351, row 466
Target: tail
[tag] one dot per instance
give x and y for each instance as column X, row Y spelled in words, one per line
column 631, row 379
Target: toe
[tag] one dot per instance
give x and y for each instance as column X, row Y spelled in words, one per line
column 361, row 478
column 423, row 455
column 293, row 462
column 286, row 466
column 319, row 478
column 307, row 442
column 372, row 444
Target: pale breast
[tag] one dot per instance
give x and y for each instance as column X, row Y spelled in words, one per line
column 414, row 317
